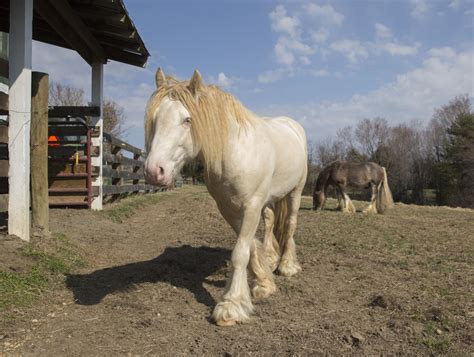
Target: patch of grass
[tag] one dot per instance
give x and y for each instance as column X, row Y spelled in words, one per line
column 436, row 344
column 53, row 258
column 128, row 206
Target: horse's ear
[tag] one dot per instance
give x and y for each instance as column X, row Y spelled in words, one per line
column 195, row 83
column 160, row 78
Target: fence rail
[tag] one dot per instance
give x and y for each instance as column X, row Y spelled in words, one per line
column 124, row 174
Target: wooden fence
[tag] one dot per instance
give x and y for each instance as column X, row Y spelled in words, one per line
column 122, row 169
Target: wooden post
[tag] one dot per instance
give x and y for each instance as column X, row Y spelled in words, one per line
column 39, row 150
column 97, row 100
column 21, row 22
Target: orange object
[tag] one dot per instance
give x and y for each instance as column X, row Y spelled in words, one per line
column 53, row 140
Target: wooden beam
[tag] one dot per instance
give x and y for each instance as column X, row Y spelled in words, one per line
column 76, row 111
column 39, row 150
column 120, row 55
column 62, row 18
column 122, row 144
column 21, row 21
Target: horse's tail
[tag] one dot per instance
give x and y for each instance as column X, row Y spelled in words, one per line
column 280, row 226
column 384, row 195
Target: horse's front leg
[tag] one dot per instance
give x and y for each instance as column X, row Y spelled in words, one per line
column 236, row 305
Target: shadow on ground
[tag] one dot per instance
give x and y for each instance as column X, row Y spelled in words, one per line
column 185, row 266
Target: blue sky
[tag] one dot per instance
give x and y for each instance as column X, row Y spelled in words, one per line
column 327, row 64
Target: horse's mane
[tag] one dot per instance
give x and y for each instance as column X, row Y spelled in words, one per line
column 212, row 111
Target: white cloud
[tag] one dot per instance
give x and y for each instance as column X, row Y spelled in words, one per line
column 352, row 49
column 319, row 73
column 222, row 80
column 283, row 23
column 320, row 35
column 419, row 8
column 444, row 74
column 271, row 76
column 455, row 4
column 325, row 13
column 396, row 49
column 382, row 32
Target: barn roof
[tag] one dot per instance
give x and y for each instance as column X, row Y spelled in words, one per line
column 99, row 30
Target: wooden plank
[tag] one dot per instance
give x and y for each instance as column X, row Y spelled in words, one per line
column 3, row 185
column 3, row 152
column 68, row 190
column 67, row 130
column 109, row 172
column 4, row 203
column 39, row 150
column 73, row 111
column 3, row 168
column 4, row 67
column 122, row 144
column 119, row 159
column 3, row 134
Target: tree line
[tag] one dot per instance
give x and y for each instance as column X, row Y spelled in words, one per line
column 426, row 164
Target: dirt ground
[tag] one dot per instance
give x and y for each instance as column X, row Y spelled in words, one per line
column 400, row 283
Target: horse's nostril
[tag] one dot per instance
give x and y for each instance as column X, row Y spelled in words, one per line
column 162, row 171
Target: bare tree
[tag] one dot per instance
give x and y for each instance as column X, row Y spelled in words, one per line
column 114, row 118
column 64, row 95
column 447, row 114
column 371, row 135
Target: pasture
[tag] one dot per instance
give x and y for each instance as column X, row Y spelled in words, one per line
column 142, row 278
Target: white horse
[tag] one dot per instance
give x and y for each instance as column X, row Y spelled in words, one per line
column 253, row 167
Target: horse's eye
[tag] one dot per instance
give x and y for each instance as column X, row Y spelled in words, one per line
column 187, row 121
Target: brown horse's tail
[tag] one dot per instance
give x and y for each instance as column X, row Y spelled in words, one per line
column 384, row 195
column 280, row 226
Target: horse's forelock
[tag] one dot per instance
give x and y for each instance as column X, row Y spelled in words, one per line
column 211, row 112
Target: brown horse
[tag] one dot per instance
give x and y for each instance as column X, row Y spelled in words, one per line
column 341, row 174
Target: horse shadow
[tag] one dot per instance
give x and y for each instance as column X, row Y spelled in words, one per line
column 186, row 266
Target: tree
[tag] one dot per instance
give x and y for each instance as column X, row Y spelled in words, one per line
column 114, row 118
column 64, row 95
column 457, row 169
column 451, row 140
column 371, row 134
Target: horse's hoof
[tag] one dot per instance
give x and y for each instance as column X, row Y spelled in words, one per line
column 262, row 291
column 225, row 323
column 289, row 269
column 229, row 312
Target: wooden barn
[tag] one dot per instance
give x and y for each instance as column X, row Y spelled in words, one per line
column 99, row 31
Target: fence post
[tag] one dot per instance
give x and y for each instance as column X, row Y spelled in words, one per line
column 39, row 150
column 116, row 181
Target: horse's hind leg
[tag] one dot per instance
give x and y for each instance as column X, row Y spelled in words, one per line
column 264, row 258
column 270, row 244
column 289, row 265
column 263, row 283
column 372, row 206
